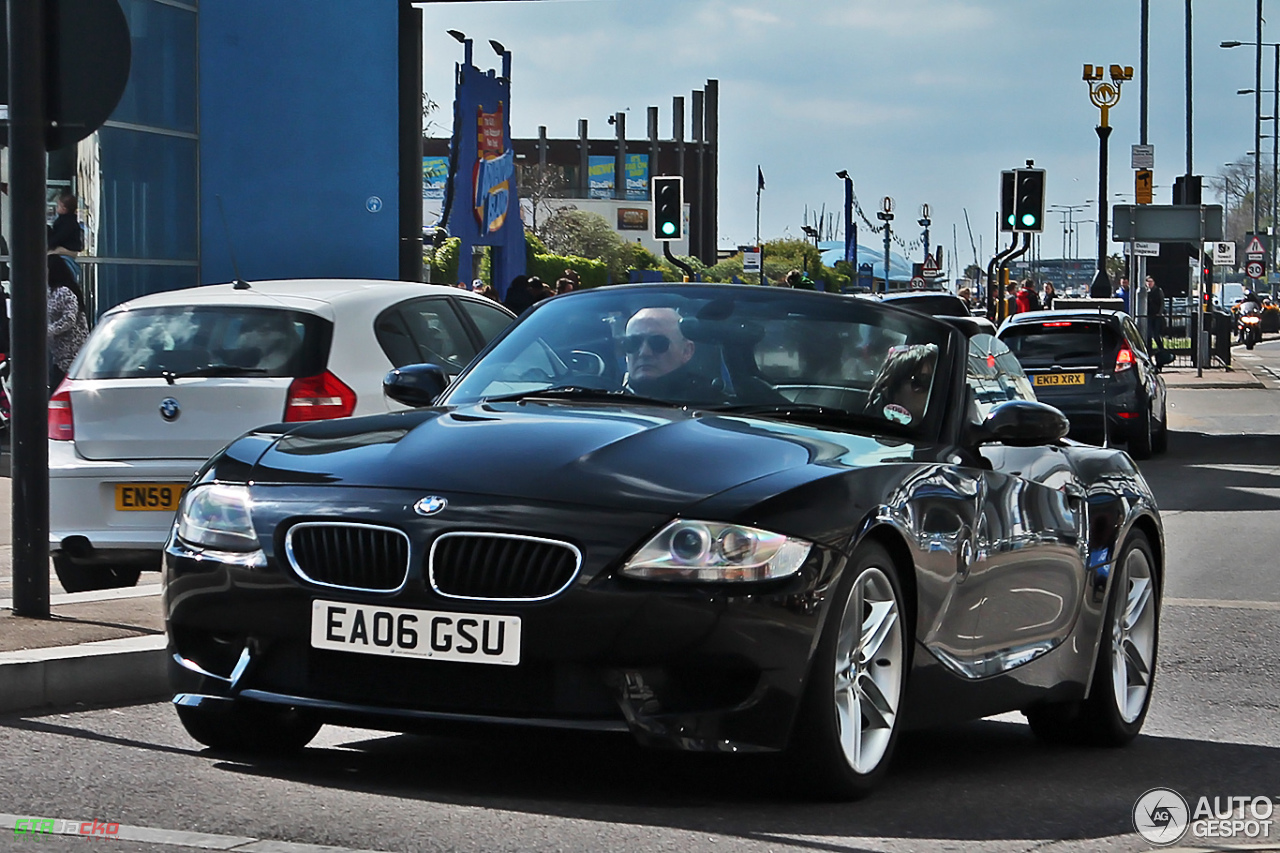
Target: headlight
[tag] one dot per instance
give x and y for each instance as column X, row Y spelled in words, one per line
column 710, row 551
column 217, row 517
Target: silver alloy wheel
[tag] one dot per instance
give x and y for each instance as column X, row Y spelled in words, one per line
column 1133, row 635
column 869, row 660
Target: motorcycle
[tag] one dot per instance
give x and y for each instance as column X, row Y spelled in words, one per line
column 1249, row 325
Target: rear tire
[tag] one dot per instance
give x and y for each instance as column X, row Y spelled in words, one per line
column 1140, row 441
column 1124, row 672
column 849, row 722
column 1160, row 441
column 80, row 577
column 249, row 729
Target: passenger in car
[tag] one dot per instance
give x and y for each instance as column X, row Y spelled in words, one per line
column 901, row 391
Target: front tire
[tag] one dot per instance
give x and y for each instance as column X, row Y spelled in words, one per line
column 82, row 577
column 849, row 723
column 1124, row 672
column 249, row 729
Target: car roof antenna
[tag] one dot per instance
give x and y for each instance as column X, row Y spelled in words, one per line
column 240, row 284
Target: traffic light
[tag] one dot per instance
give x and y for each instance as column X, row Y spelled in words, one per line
column 1028, row 203
column 668, row 208
column 1007, row 181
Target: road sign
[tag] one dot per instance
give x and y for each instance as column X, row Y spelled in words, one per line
column 1224, row 253
column 1143, row 157
column 751, row 261
column 1142, row 183
column 1255, row 248
column 88, row 50
column 930, row 268
column 1253, row 269
column 1144, row 249
column 917, row 283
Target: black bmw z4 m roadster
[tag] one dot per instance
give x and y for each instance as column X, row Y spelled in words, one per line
column 721, row 518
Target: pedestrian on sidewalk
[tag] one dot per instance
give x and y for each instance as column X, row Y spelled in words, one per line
column 1049, row 297
column 1155, row 314
column 1026, row 298
column 68, row 323
column 1122, row 293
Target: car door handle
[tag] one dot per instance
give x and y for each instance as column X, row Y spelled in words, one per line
column 1074, row 493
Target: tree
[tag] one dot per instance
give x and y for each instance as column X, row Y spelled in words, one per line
column 1236, row 183
column 570, row 231
column 540, row 188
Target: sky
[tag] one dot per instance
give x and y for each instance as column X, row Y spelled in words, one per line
column 922, row 100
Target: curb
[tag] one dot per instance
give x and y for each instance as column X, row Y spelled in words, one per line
column 106, row 672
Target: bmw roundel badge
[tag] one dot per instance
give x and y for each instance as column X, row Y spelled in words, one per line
column 430, row 505
column 169, row 409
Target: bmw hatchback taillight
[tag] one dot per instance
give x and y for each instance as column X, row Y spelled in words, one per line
column 61, row 426
column 1124, row 358
column 315, row 398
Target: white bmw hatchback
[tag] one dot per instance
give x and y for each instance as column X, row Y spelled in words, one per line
column 165, row 381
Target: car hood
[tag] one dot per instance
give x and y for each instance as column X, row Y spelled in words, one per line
column 623, row 457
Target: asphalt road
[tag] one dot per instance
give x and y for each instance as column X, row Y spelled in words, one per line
column 1214, row 730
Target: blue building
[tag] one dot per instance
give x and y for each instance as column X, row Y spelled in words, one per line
column 271, row 132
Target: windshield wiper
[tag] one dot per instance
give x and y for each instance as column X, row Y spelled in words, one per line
column 814, row 412
column 578, row 392
column 213, row 370
column 781, row 409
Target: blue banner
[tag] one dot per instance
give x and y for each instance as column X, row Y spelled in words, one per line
column 601, row 179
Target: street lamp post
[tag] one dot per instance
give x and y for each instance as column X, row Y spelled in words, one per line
column 811, row 232
column 850, row 227
column 924, row 222
column 1258, row 44
column 885, row 214
column 1104, row 94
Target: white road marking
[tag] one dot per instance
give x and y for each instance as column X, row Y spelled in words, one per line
column 177, row 838
column 1225, row 604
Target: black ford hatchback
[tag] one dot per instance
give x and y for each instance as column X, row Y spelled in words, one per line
column 1095, row 367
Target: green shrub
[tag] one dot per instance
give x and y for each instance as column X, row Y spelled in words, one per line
column 444, row 261
column 550, row 268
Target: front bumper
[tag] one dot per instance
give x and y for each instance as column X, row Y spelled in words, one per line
column 82, row 500
column 692, row 668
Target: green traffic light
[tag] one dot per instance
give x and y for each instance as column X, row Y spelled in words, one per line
column 668, row 228
column 1028, row 219
column 1009, row 219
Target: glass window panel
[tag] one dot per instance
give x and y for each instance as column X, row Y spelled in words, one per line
column 148, row 207
column 161, row 91
column 115, row 283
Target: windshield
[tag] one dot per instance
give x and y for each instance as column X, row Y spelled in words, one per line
column 933, row 303
column 760, row 350
column 1062, row 342
column 185, row 340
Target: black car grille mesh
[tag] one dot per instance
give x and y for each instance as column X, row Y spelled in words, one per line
column 354, row 556
column 492, row 566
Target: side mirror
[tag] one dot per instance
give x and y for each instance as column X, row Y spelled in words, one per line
column 415, row 384
column 1022, row 423
column 1164, row 357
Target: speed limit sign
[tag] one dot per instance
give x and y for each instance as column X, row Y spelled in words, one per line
column 1253, row 269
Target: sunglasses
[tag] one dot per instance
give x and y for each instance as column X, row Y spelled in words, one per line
column 658, row 344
